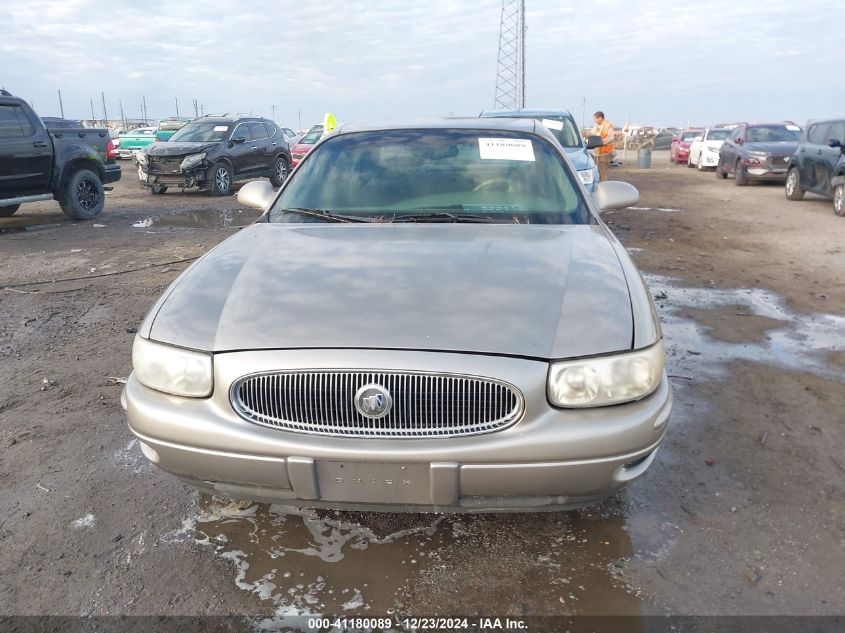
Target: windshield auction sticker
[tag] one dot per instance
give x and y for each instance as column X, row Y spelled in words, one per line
column 552, row 124
column 506, row 149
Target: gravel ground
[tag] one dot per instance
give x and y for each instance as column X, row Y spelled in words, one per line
column 743, row 511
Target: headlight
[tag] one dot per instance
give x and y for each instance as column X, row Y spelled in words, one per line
column 192, row 161
column 587, row 176
column 597, row 382
column 141, row 157
column 173, row 370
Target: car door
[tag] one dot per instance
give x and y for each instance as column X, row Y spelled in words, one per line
column 729, row 149
column 811, row 152
column 827, row 156
column 262, row 158
column 240, row 152
column 26, row 154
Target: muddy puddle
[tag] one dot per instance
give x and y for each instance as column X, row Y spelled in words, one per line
column 207, row 219
column 31, row 224
column 706, row 328
column 301, row 562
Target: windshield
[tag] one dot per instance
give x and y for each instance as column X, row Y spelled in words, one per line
column 718, row 135
column 691, row 136
column 563, row 129
column 488, row 175
column 773, row 133
column 311, row 138
column 202, row 132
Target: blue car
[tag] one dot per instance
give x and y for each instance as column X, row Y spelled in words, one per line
column 562, row 125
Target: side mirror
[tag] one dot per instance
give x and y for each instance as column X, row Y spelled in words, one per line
column 675, row 139
column 594, row 141
column 834, row 142
column 739, row 141
column 238, row 140
column 614, row 194
column 257, row 194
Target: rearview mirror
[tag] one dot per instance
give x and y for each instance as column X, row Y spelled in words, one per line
column 257, row 194
column 594, row 141
column 238, row 140
column 614, row 194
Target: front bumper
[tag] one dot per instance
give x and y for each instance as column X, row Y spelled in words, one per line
column 194, row 177
column 769, row 168
column 708, row 159
column 550, row 459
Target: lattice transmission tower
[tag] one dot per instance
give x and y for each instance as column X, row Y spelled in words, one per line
column 510, row 71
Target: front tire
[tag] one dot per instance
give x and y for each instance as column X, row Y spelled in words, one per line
column 83, row 196
column 9, row 211
column 740, row 176
column 700, row 164
column 158, row 189
column 220, row 177
column 690, row 164
column 839, row 200
column 792, row 188
column 720, row 170
column 281, row 169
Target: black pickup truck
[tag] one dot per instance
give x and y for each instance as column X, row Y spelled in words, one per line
column 68, row 164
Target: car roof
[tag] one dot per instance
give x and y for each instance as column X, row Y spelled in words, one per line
column 230, row 119
column 503, row 124
column 524, row 112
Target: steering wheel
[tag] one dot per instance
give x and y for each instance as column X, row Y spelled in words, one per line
column 490, row 183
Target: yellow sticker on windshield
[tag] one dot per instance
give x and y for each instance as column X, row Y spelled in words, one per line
column 506, row 149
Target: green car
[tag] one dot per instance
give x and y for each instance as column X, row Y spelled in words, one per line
column 132, row 141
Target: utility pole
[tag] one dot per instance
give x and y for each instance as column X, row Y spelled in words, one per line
column 583, row 112
column 61, row 105
column 299, row 112
column 196, row 109
column 144, row 107
column 93, row 116
column 510, row 67
column 273, row 108
column 105, row 116
column 177, row 106
column 122, row 116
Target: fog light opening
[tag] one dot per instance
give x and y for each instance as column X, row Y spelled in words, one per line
column 635, row 468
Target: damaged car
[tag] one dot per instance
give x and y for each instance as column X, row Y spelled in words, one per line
column 427, row 317
column 212, row 153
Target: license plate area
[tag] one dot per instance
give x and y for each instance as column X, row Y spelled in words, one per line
column 357, row 482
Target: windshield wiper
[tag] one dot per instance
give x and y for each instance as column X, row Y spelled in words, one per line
column 443, row 216
column 323, row 214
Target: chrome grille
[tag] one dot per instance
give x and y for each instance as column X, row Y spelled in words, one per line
column 424, row 404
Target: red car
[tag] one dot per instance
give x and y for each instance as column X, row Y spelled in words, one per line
column 305, row 144
column 679, row 150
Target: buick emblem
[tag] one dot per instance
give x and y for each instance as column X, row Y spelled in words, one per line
column 373, row 401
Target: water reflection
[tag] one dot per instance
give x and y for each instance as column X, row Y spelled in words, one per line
column 306, row 561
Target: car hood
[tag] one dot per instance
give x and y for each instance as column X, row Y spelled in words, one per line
column 519, row 290
column 774, row 147
column 579, row 157
column 301, row 148
column 169, row 148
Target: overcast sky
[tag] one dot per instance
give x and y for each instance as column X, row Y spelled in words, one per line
column 659, row 62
